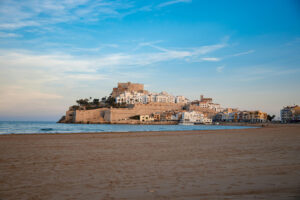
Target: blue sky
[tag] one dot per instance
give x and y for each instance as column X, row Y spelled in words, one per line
column 243, row 54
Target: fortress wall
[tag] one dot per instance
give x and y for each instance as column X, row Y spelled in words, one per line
column 160, row 106
column 119, row 114
column 70, row 116
column 107, row 115
column 90, row 116
column 102, row 115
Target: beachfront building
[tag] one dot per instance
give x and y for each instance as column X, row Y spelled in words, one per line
column 137, row 97
column 290, row 114
column 206, row 120
column 194, row 117
column 146, row 118
column 242, row 116
column 257, row 116
column 228, row 115
column 156, row 116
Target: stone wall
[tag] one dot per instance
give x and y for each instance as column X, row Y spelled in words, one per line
column 90, row 116
column 121, row 114
column 70, row 116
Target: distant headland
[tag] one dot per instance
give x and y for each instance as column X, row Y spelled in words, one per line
column 130, row 103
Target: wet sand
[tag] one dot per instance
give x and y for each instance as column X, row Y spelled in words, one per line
column 262, row 163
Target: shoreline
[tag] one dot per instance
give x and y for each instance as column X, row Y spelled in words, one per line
column 124, row 132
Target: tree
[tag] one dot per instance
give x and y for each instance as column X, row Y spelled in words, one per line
column 82, row 102
column 96, row 101
column 270, row 118
column 110, row 101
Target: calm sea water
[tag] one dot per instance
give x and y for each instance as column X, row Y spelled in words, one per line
column 52, row 127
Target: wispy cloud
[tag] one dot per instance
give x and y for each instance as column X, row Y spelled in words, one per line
column 42, row 13
column 191, row 54
column 68, row 62
column 168, row 3
column 238, row 54
column 213, row 59
column 243, row 53
column 16, row 14
column 8, row 35
column 220, row 69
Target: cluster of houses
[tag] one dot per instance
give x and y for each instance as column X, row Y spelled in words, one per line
column 134, row 97
column 185, row 118
column 203, row 111
column 290, row 114
column 206, row 103
column 233, row 115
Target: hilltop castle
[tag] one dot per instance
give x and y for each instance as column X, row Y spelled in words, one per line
column 129, row 103
column 128, row 87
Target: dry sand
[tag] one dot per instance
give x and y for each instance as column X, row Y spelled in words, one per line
column 261, row 163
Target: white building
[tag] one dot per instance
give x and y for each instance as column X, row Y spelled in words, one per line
column 135, row 97
column 216, row 107
column 290, row 114
column 181, row 99
column 194, row 117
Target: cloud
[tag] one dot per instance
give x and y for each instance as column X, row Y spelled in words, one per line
column 192, row 54
column 8, row 35
column 220, row 69
column 213, row 59
column 209, row 48
column 243, row 53
column 62, row 62
column 168, row 3
column 19, row 14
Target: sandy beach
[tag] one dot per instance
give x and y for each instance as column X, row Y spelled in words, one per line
column 261, row 163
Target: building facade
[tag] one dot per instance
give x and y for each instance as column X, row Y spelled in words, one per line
column 137, row 97
column 241, row 116
column 194, row 117
column 290, row 114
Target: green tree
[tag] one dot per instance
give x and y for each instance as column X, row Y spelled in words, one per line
column 95, row 101
column 270, row 118
column 82, row 102
column 110, row 101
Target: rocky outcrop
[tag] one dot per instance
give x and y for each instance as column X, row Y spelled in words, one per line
column 62, row 119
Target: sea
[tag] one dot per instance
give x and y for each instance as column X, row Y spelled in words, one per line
column 29, row 127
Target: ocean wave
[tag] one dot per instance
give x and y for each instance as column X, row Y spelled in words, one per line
column 46, row 129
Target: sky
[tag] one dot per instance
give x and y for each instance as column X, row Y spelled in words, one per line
column 243, row 54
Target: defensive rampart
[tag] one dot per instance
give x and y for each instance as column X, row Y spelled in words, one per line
column 91, row 116
column 121, row 115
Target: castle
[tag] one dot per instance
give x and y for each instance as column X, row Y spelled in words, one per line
column 129, row 103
